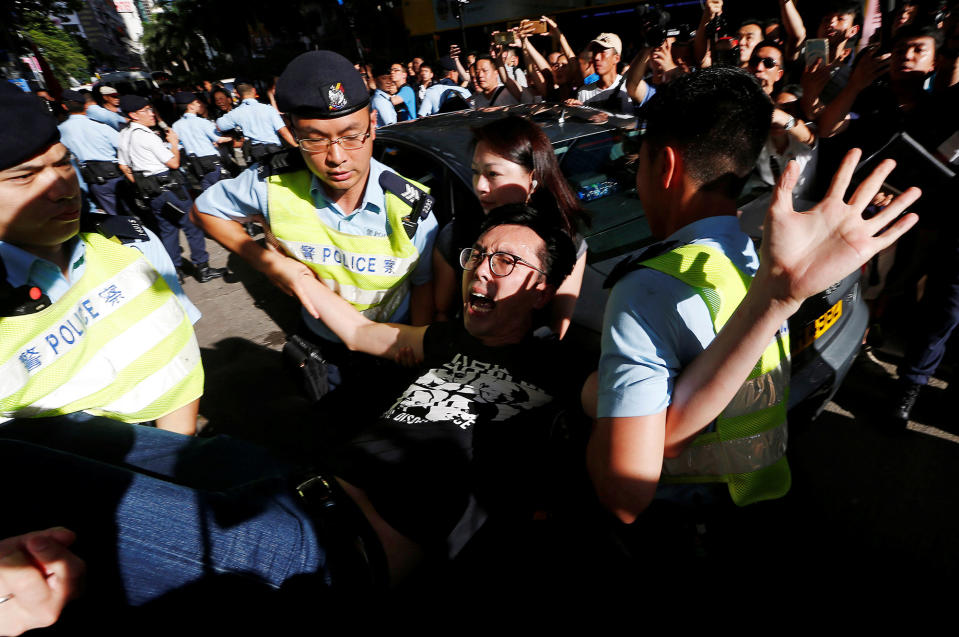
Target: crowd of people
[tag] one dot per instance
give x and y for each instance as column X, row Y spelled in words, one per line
column 459, row 329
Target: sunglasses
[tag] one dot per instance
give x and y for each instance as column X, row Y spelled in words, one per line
column 768, row 62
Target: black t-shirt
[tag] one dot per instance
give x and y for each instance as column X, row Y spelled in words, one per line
column 464, row 438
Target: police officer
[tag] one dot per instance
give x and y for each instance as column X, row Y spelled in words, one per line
column 95, row 146
column 337, row 213
column 198, row 136
column 153, row 167
column 261, row 124
column 109, row 114
column 94, row 322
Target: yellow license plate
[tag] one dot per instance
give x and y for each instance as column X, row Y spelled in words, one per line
column 817, row 328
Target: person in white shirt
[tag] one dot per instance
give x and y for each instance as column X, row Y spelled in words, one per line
column 149, row 163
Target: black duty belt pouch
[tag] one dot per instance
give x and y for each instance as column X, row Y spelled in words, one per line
column 306, row 360
column 100, row 171
column 148, row 187
column 208, row 163
column 259, row 151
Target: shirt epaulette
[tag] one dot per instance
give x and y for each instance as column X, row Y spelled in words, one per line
column 635, row 262
column 284, row 161
column 420, row 201
column 120, row 228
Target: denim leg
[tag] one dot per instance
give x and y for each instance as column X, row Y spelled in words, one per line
column 143, row 536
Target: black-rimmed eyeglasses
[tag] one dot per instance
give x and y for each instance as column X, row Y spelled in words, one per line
column 500, row 263
column 347, row 142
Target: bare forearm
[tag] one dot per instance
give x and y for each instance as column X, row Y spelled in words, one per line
column 793, row 26
column 707, row 384
column 234, row 238
column 635, row 83
column 182, row 420
column 833, row 115
column 287, row 136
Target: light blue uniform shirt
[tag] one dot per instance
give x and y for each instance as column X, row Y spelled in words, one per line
column 431, row 99
column 409, row 98
column 259, row 121
column 385, row 113
column 246, row 196
column 197, row 135
column 99, row 114
column 644, row 346
column 23, row 268
column 89, row 140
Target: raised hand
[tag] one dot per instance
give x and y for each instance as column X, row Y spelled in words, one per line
column 804, row 253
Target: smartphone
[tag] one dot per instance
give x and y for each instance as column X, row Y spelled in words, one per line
column 504, row 38
column 817, row 48
column 538, row 26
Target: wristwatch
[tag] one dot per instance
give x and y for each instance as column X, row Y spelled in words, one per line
column 790, row 123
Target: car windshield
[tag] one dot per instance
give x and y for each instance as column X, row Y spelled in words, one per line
column 600, row 169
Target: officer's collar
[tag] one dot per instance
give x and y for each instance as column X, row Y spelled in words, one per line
column 372, row 196
column 139, row 125
column 189, row 115
column 77, row 116
column 249, row 100
column 20, row 263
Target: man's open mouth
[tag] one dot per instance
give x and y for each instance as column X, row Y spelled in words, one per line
column 481, row 302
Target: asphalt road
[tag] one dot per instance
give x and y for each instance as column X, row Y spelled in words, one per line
column 866, row 504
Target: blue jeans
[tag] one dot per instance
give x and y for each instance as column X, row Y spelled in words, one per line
column 155, row 511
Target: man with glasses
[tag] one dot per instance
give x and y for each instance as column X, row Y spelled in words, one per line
column 154, row 168
column 337, row 214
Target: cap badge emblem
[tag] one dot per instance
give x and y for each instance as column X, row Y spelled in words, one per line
column 336, row 97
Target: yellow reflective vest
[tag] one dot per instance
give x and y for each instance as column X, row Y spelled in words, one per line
column 747, row 449
column 117, row 344
column 372, row 273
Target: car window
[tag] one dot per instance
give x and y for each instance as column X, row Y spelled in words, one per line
column 419, row 166
column 599, row 169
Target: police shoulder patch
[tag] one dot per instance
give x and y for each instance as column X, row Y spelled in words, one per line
column 407, row 191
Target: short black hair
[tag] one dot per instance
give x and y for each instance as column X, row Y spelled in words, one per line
column 772, row 44
column 748, row 21
column 919, row 30
column 844, row 7
column 559, row 256
column 717, row 119
column 73, row 106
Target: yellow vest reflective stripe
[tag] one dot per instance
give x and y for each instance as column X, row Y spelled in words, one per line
column 372, row 273
column 747, row 449
column 117, row 344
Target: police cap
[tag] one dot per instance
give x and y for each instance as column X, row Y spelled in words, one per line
column 28, row 127
column 70, row 95
column 185, row 97
column 133, row 103
column 321, row 85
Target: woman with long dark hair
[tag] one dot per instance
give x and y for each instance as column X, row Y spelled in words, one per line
column 513, row 162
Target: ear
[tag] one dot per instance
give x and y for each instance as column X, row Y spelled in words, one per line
column 669, row 167
column 372, row 124
column 853, row 31
column 546, row 293
column 779, row 75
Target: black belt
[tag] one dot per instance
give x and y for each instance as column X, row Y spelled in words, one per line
column 354, row 553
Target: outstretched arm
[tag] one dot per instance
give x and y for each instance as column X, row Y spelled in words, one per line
column 359, row 333
column 795, row 31
column 802, row 254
